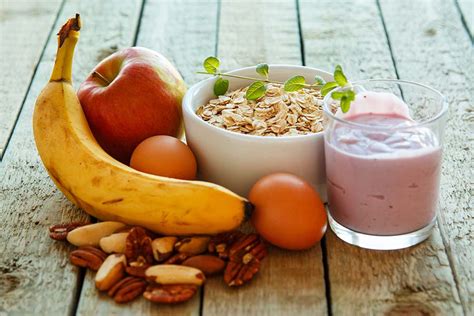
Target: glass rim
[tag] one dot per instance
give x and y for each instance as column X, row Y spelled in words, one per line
column 439, row 114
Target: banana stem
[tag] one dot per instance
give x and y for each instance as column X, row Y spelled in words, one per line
column 67, row 39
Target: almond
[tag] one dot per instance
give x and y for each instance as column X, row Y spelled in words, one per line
column 174, row 274
column 90, row 235
column 114, row 243
column 110, row 272
column 209, row 265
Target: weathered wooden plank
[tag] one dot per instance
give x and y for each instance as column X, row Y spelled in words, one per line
column 443, row 58
column 251, row 32
column 467, row 10
column 363, row 282
column 24, row 27
column 183, row 30
column 36, row 277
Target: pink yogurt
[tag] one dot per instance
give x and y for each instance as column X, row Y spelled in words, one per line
column 382, row 182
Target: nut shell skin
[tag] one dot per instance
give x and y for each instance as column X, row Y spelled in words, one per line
column 209, row 265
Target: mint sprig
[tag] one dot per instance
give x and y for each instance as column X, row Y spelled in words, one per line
column 346, row 95
column 259, row 86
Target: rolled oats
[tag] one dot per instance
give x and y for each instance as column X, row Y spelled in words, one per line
column 277, row 113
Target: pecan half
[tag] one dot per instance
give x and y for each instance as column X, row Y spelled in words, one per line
column 127, row 289
column 170, row 293
column 246, row 248
column 137, row 271
column 245, row 256
column 138, row 251
column 237, row 274
column 221, row 243
column 60, row 231
column 87, row 257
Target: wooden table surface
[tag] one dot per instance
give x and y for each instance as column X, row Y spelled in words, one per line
column 424, row 41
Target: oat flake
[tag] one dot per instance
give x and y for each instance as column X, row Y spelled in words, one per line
column 277, row 113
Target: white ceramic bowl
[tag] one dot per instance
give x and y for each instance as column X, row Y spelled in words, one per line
column 236, row 161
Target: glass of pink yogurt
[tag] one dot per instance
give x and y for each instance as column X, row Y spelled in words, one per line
column 383, row 163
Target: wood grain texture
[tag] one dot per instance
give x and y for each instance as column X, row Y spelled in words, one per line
column 442, row 58
column 24, row 27
column 36, row 277
column 251, row 32
column 184, row 31
column 467, row 10
column 414, row 281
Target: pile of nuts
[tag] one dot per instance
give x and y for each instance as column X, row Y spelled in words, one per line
column 131, row 261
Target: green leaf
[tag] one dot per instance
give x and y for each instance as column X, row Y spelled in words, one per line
column 256, row 90
column 339, row 76
column 211, row 64
column 294, row 83
column 262, row 69
column 328, row 87
column 318, row 80
column 337, row 95
column 221, row 86
column 350, row 95
column 345, row 104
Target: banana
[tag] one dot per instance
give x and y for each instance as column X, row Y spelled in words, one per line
column 108, row 189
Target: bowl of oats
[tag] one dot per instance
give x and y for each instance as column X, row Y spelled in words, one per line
column 236, row 141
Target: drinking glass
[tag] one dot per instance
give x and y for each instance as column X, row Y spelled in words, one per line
column 383, row 180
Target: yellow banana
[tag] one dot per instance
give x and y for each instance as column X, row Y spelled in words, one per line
column 108, row 189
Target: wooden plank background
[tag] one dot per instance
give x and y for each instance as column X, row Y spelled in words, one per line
column 425, row 41
column 24, row 28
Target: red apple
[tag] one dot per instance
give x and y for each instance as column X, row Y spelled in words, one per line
column 131, row 95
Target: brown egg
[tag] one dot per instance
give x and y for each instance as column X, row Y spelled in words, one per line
column 288, row 211
column 164, row 156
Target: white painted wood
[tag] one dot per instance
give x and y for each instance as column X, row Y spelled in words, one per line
column 24, row 27
column 289, row 283
column 442, row 58
column 183, row 30
column 414, row 281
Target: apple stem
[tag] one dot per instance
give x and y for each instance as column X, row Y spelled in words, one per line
column 97, row 74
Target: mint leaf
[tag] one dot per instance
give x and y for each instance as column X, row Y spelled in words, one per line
column 262, row 69
column 319, row 81
column 345, row 104
column 350, row 95
column 337, row 95
column 328, row 87
column 211, row 65
column 256, row 90
column 221, row 86
column 294, row 83
column 339, row 76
